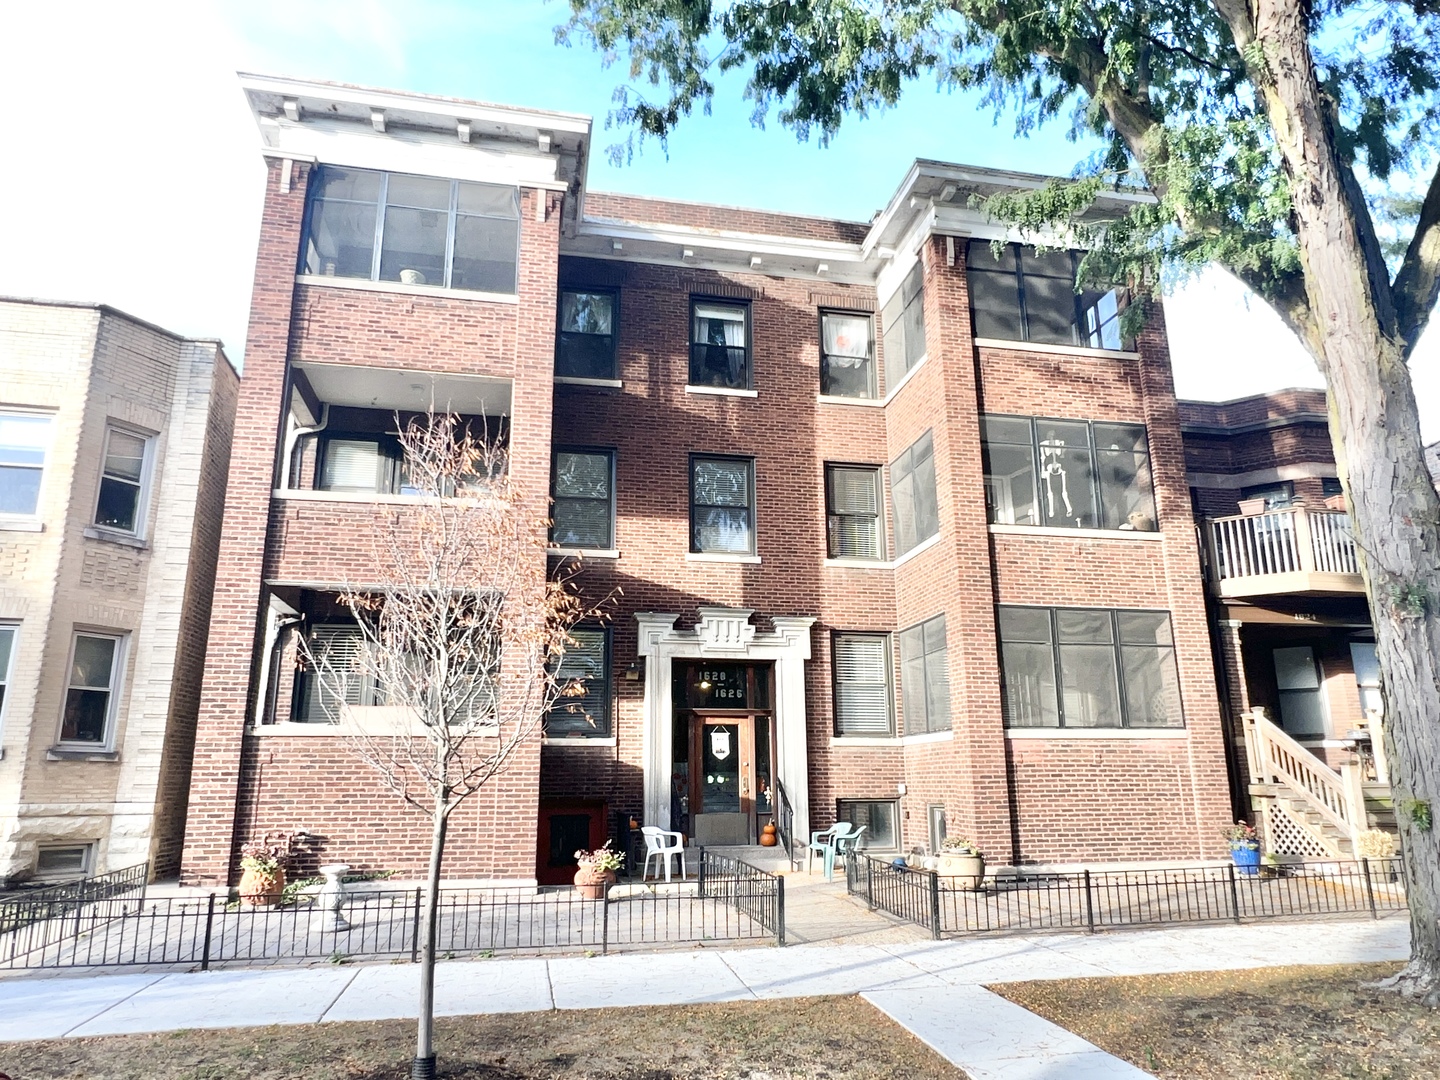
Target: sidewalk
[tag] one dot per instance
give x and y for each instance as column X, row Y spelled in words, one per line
column 934, row 989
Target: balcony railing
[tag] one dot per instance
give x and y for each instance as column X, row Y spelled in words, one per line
column 1249, row 553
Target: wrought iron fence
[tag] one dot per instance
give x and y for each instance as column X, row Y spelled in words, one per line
column 730, row 901
column 754, row 893
column 40, row 905
column 1104, row 899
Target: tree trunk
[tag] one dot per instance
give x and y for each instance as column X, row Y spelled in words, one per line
column 1375, row 428
column 423, row 1067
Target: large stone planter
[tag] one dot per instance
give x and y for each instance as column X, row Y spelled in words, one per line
column 964, row 871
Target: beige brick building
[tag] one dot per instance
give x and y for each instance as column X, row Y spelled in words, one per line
column 114, row 450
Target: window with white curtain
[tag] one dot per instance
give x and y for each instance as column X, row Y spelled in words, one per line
column 585, row 334
column 720, row 344
column 861, row 669
column 852, row 519
column 847, row 355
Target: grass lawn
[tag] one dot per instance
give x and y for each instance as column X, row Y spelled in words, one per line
column 1288, row 1023
column 799, row 1039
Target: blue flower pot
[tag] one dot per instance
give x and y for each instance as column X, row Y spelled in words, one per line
column 1247, row 859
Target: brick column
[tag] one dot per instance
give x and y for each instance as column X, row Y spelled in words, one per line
column 225, row 692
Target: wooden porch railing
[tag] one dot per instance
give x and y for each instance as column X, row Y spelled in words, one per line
column 1283, row 542
column 1276, row 758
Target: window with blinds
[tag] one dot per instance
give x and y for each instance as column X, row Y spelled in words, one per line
column 861, row 667
column 584, row 668
column 336, row 678
column 852, row 498
column 360, row 464
column 925, row 677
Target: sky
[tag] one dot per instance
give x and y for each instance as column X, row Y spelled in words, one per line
column 133, row 176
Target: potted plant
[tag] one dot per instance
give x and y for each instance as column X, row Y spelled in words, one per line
column 1244, row 847
column 262, row 865
column 961, row 859
column 596, row 872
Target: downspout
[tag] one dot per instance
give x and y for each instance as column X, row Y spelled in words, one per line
column 293, row 436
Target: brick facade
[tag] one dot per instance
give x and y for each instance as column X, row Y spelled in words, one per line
column 1110, row 795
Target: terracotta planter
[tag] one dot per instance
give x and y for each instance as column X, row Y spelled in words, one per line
column 591, row 883
column 261, row 888
column 967, row 871
column 1336, row 502
column 1251, row 507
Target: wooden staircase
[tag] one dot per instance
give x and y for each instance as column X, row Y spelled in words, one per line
column 1306, row 808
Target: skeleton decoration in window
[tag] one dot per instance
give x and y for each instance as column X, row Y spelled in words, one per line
column 1052, row 472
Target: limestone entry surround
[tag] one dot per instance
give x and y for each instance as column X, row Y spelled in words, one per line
column 725, row 633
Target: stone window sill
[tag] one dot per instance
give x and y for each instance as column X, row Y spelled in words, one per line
column 1152, row 535
column 364, row 285
column 1061, row 350
column 94, row 532
column 21, row 524
column 1096, row 733
column 576, row 380
column 80, row 753
column 711, row 557
column 584, row 553
column 721, row 391
column 579, row 742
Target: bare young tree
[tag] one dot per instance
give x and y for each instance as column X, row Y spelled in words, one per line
column 460, row 635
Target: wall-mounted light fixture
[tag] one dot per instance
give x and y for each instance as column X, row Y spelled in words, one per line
column 632, row 672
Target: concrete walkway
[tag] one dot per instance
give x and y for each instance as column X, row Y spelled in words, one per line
column 935, row 989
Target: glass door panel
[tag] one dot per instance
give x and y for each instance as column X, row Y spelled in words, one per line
column 720, row 768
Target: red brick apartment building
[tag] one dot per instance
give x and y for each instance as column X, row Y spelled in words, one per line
column 902, row 527
column 1292, row 630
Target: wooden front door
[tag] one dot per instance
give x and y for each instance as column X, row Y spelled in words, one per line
column 722, row 779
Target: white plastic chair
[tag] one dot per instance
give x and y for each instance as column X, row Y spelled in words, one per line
column 663, row 845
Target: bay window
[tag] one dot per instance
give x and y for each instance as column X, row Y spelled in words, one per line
column 904, row 319
column 925, row 677
column 914, row 505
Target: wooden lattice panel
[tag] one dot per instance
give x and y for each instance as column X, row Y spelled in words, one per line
column 1290, row 835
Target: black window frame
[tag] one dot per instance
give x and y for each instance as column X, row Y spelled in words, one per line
column 831, row 514
column 564, row 710
column 836, row 721
column 562, row 335
column 867, row 838
column 314, row 198
column 932, row 724
column 1097, row 502
column 1117, row 644
column 754, row 533
column 606, row 451
column 903, row 470
column 389, row 447
column 1078, row 322
column 699, row 299
column 872, row 363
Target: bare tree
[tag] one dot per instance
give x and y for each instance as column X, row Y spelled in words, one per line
column 460, row 634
